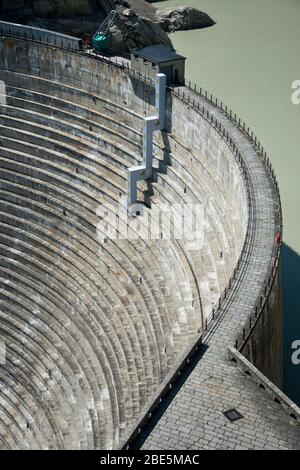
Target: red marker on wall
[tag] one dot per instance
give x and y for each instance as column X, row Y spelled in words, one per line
column 278, row 237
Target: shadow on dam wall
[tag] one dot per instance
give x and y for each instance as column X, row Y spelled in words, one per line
column 290, row 267
column 168, row 399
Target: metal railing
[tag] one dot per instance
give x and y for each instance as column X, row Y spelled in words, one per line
column 219, row 309
column 43, row 36
column 245, row 252
column 275, row 258
column 63, row 41
column 121, row 62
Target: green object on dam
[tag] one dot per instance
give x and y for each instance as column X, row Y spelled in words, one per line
column 100, row 39
column 100, row 42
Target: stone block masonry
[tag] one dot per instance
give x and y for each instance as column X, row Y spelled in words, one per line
column 93, row 327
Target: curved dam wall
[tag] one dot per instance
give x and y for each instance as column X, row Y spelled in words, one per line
column 92, row 325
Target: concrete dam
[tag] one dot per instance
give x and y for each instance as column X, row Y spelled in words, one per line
column 96, row 330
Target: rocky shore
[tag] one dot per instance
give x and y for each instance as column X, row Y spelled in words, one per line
column 139, row 22
column 183, row 18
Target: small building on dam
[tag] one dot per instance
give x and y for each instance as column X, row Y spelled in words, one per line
column 121, row 331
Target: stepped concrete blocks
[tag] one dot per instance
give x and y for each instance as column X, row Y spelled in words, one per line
column 95, row 326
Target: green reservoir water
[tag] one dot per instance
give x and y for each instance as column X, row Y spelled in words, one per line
column 249, row 59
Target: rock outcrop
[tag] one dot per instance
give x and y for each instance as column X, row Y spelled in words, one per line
column 183, row 18
column 139, row 23
column 58, row 8
column 132, row 31
column 7, row 6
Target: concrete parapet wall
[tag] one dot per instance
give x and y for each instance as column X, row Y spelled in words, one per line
column 43, row 36
column 265, row 384
column 264, row 346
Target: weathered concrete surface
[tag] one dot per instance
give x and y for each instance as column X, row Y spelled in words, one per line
column 194, row 419
column 115, row 316
column 264, row 383
column 264, row 347
column 70, row 128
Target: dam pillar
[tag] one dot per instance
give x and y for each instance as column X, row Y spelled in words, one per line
column 160, row 100
column 148, row 128
column 151, row 124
